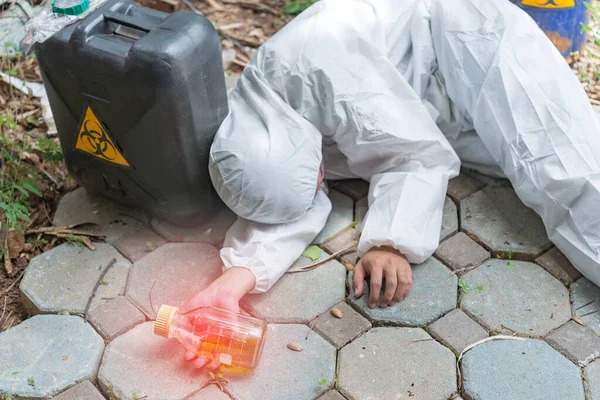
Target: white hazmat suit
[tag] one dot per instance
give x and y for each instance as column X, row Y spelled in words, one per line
column 396, row 92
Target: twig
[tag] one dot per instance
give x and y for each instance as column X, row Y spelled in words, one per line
column 13, row 284
column 245, row 41
column 235, row 42
column 7, row 263
column 54, row 228
column 46, row 212
column 100, row 279
column 83, row 239
column 252, row 5
column 214, row 4
column 48, row 175
column 4, row 310
column 192, row 7
column 310, row 267
column 71, row 231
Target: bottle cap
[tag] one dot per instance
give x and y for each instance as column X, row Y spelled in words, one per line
column 70, row 7
column 162, row 324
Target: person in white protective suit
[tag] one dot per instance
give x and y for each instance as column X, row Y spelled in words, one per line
column 399, row 93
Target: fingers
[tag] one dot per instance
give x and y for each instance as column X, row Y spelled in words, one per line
column 359, row 279
column 189, row 355
column 213, row 365
column 391, row 284
column 200, row 362
column 375, row 288
column 197, row 301
column 404, row 283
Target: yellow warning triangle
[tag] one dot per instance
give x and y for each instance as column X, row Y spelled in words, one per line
column 549, row 3
column 94, row 139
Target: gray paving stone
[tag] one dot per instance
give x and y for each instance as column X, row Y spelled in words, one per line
column 341, row 240
column 211, row 392
column 586, row 303
column 286, row 374
column 457, row 331
column 515, row 296
column 63, row 278
column 592, row 378
column 82, row 391
column 172, row 274
column 115, row 317
column 341, row 216
column 555, row 262
column 396, row 363
column 143, row 364
column 115, row 221
column 487, row 179
column 499, row 219
column 510, row 370
column 360, row 211
column 460, row 251
column 463, row 186
column 339, row 332
column 47, row 354
column 449, row 219
column 433, row 294
column 300, row 297
column 211, row 232
column 231, row 81
column 350, row 258
column 140, row 244
column 354, row 188
column 332, row 395
column 579, row 343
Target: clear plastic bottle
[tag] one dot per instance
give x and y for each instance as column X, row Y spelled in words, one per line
column 235, row 340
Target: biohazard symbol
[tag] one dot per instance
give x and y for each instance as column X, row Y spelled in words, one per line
column 94, row 139
column 549, row 3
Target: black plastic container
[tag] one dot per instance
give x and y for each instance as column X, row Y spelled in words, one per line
column 137, row 96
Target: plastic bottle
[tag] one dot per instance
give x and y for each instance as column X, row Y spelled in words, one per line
column 235, row 340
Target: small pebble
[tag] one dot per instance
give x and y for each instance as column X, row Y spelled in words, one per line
column 28, row 247
column 336, row 312
column 294, row 346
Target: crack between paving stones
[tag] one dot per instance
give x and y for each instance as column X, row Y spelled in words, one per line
column 102, row 275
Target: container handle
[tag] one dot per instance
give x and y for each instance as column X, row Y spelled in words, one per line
column 129, row 21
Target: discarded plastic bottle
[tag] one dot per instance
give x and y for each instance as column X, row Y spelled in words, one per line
column 234, row 340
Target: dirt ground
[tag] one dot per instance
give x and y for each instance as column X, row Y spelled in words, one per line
column 243, row 25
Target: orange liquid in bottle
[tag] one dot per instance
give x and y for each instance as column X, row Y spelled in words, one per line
column 234, row 340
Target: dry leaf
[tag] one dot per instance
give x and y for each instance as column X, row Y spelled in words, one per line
column 15, row 243
column 336, row 312
column 348, row 266
column 294, row 346
column 578, row 320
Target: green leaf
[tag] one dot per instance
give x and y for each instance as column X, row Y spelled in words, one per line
column 212, row 374
column 293, row 8
column 30, row 381
column 312, row 252
column 21, row 189
column 29, row 186
column 322, row 382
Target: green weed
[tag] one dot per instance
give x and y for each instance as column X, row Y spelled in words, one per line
column 295, row 7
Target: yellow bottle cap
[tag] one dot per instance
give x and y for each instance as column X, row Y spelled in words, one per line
column 162, row 324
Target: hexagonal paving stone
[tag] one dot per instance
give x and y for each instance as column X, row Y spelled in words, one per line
column 115, row 317
column 300, row 297
column 460, row 252
column 463, row 186
column 487, row 179
column 360, row 211
column 172, row 274
column 114, row 220
column 341, row 216
column 555, row 262
column 396, row 363
column 63, row 278
column 140, row 244
column 500, row 220
column 47, row 354
column 433, row 294
column 142, row 364
column 579, row 343
column 586, row 303
column 341, row 331
column 457, row 331
column 332, row 395
column 515, row 296
column 286, row 374
column 527, row 369
column 354, row 188
column 449, row 219
column 212, row 231
column 592, row 377
column 82, row 391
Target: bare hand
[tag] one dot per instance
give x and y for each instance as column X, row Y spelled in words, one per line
column 379, row 263
column 224, row 293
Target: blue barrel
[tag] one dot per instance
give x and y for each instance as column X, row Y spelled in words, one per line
column 561, row 20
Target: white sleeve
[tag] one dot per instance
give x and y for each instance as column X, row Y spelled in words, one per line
column 269, row 250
